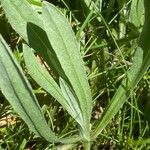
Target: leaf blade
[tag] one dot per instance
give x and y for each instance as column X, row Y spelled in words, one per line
column 66, row 48
column 30, row 27
column 19, row 93
column 42, row 77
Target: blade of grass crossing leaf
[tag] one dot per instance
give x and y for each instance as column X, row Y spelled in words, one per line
column 43, row 78
column 19, row 93
column 67, row 51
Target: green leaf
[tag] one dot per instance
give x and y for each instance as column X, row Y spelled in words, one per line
column 72, row 101
column 66, row 48
column 29, row 25
column 43, row 78
column 18, row 92
column 137, row 13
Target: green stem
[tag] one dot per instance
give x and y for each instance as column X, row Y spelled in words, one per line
column 87, row 145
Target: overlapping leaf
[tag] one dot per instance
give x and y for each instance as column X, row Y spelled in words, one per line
column 63, row 42
column 28, row 24
column 43, row 78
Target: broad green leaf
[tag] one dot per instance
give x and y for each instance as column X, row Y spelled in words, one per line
column 18, row 92
column 43, row 78
column 66, row 48
column 137, row 13
column 28, row 24
column 141, row 63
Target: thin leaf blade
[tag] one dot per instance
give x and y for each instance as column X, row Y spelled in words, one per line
column 123, row 92
column 141, row 63
column 19, row 93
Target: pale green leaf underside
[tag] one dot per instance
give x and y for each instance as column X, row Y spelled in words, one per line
column 137, row 13
column 18, row 92
column 31, row 26
column 63, row 42
column 43, row 78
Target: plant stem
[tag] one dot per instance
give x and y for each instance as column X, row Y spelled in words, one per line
column 87, row 145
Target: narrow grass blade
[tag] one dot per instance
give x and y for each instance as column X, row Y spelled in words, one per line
column 141, row 63
column 43, row 78
column 122, row 94
column 63, row 42
column 18, row 92
column 28, row 24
